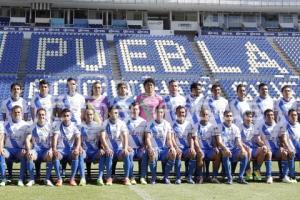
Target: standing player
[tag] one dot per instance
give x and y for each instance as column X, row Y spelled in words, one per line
column 73, row 101
column 194, row 102
column 136, row 128
column 123, row 101
column 216, row 104
column 228, row 139
column 173, row 100
column 114, row 142
column 13, row 100
column 38, row 146
column 239, row 105
column 66, row 147
column 149, row 100
column 158, row 140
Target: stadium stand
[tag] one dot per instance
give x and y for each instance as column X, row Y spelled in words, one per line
column 5, row 82
column 4, row 21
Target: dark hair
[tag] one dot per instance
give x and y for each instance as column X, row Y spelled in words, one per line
column 65, row 111
column 216, row 85
column 17, row 107
column 239, row 86
column 268, row 111
column 194, row 85
column 40, row 109
column 262, row 85
column 93, row 85
column 285, row 86
column 160, row 106
column 172, row 81
column 135, row 103
column 248, row 113
column 149, row 80
column 71, row 79
column 291, row 110
column 121, row 84
column 226, row 112
column 15, row 84
column 179, row 108
column 114, row 107
column 43, row 82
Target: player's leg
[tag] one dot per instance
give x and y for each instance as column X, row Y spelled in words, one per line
column 169, row 158
column 32, row 156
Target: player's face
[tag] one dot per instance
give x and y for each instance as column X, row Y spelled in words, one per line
column 173, row 88
column 89, row 115
column 16, row 91
column 41, row 116
column 149, row 88
column 216, row 92
column 181, row 113
column 160, row 113
column 293, row 117
column 228, row 118
column 204, row 116
column 197, row 91
column 66, row 117
column 44, row 89
column 241, row 92
column 270, row 117
column 248, row 119
column 263, row 91
column 114, row 114
column 72, row 86
column 122, row 90
column 135, row 110
column 287, row 93
column 97, row 89
column 17, row 114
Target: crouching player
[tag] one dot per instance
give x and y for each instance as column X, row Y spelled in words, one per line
column 136, row 128
column 228, row 139
column 158, row 140
column 66, row 146
column 90, row 138
column 3, row 156
column 184, row 139
column 114, row 142
column 208, row 147
column 38, row 146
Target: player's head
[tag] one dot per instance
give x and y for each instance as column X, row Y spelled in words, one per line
column 286, row 91
column 89, row 115
column 44, row 87
column 228, row 117
column 16, row 90
column 181, row 112
column 66, row 115
column 16, row 113
column 241, row 91
column 173, row 87
column 248, row 117
column 269, row 116
column 293, row 116
column 134, row 109
column 216, row 90
column 71, row 85
column 41, row 115
column 196, row 89
column 113, row 112
column 263, row 90
column 160, row 112
column 122, row 89
column 96, row 88
column 149, row 86
column 204, row 115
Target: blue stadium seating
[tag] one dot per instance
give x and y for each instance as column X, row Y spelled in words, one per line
column 57, row 22
column 5, row 82
column 68, row 53
column 4, row 21
column 82, row 23
column 118, row 23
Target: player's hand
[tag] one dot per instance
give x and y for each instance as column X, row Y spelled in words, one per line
column 55, row 153
column 109, row 152
column 227, row 152
column 264, row 148
column 125, row 151
column 76, row 152
column 178, row 151
column 151, row 151
column 192, row 151
column 1, row 152
column 291, row 153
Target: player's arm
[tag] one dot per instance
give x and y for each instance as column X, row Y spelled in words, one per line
column 28, row 142
column 32, row 111
column 77, row 144
column 149, row 143
column 54, row 144
column 104, row 143
column 124, row 135
column 1, row 143
column 221, row 145
column 284, row 143
column 192, row 142
column 169, row 143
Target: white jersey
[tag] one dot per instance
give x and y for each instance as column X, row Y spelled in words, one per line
column 136, row 128
column 193, row 106
column 259, row 106
column 46, row 102
column 114, row 133
column 269, row 134
column 229, row 135
column 216, row 108
column 205, row 135
column 90, row 135
column 75, row 103
column 181, row 133
column 41, row 136
column 172, row 102
column 66, row 135
column 123, row 103
column 158, row 132
column 9, row 103
column 292, row 131
column 15, row 134
column 247, row 134
column 238, row 108
column 282, row 108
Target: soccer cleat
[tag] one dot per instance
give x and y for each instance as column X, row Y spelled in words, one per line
column 30, row 183
column 199, row 180
column 59, row 183
column 178, row 182
column 190, row 181
column 215, row 180
column 109, row 182
column 229, row 181
column 143, row 181
column 270, row 180
column 242, row 181
column 73, row 182
column 127, row 182
column 3, row 183
column 294, row 180
column 100, row 182
column 248, row 176
column 49, row 183
column 286, row 179
column 20, row 183
column 257, row 176
column 82, row 182
column 167, row 181
column 133, row 181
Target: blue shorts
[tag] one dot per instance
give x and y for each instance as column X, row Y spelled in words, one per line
column 235, row 154
column 161, row 153
column 138, row 153
column 91, row 155
column 208, row 153
column 14, row 154
column 40, row 153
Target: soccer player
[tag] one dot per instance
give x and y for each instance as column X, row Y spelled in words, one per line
column 42, row 100
column 13, row 100
column 289, row 136
column 158, row 140
column 136, row 128
column 38, row 146
column 114, row 142
column 208, row 147
column 90, row 139
column 66, row 147
column 73, row 101
column 261, row 103
column 123, row 101
column 240, row 104
column 3, row 156
column 173, row 100
column 16, row 131
column 98, row 102
column 149, row 100
column 194, row 102
column 228, row 139
column 184, row 139
column 284, row 104
column 216, row 104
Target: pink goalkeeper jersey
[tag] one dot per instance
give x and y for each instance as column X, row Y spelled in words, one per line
column 148, row 105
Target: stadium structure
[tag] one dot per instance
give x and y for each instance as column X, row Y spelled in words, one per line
column 206, row 41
